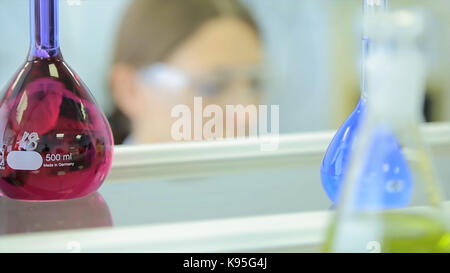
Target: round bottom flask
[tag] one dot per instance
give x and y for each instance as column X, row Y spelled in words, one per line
column 390, row 169
column 55, row 143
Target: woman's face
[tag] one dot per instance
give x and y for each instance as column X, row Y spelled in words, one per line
column 218, row 63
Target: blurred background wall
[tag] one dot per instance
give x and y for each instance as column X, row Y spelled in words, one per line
column 345, row 54
column 312, row 51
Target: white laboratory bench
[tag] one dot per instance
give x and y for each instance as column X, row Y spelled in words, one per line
column 221, row 196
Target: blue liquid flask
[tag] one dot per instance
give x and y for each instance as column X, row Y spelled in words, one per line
column 397, row 73
column 392, row 169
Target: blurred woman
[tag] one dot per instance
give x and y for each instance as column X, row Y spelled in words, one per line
column 169, row 52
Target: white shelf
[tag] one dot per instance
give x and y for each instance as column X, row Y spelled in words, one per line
column 298, row 231
column 172, row 160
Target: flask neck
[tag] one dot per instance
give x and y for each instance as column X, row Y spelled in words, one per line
column 374, row 5
column 44, row 29
column 369, row 7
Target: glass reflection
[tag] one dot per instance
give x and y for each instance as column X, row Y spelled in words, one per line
column 22, row 217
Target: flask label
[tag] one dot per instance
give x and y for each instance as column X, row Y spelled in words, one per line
column 24, row 160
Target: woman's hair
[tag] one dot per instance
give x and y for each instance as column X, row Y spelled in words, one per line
column 152, row 30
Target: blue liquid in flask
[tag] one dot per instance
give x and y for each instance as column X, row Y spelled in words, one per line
column 387, row 169
column 385, row 180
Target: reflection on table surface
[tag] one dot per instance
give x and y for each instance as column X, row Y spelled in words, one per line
column 243, row 194
column 134, row 203
column 22, row 217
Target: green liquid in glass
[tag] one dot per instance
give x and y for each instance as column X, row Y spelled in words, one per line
column 404, row 233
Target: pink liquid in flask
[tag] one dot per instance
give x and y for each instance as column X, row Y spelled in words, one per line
column 56, row 144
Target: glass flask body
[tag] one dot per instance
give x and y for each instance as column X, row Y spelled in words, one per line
column 390, row 168
column 335, row 160
column 363, row 223
column 56, row 143
column 396, row 72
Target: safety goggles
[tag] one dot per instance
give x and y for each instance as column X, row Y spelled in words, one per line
column 174, row 81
